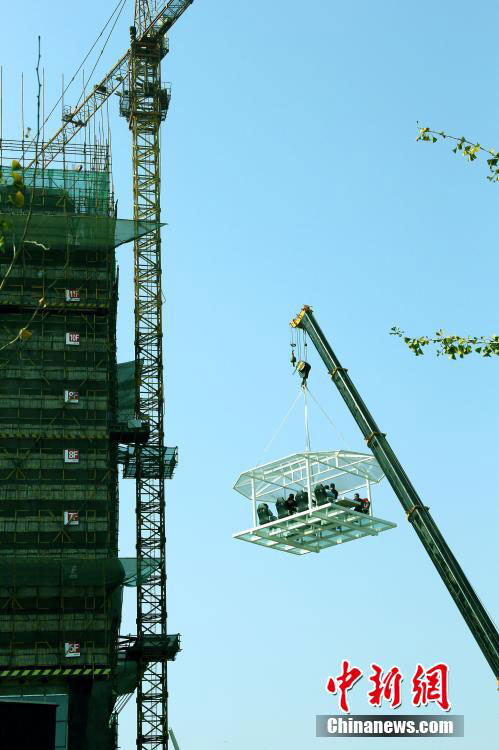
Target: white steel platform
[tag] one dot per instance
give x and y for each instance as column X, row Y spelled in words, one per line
column 315, row 530
column 323, row 523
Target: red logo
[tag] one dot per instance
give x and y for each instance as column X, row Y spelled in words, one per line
column 431, row 685
column 346, row 680
column 428, row 685
column 386, row 687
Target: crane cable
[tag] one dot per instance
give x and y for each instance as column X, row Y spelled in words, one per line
column 276, row 433
column 303, row 392
column 307, row 432
column 324, row 413
column 120, row 2
column 123, row 3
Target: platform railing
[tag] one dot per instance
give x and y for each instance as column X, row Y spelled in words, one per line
column 275, row 509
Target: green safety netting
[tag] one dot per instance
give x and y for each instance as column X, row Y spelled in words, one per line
column 59, row 231
column 110, row 572
column 127, row 676
column 55, row 190
column 137, row 571
column 155, row 461
column 70, row 208
column 154, row 647
column 126, row 391
column 146, row 648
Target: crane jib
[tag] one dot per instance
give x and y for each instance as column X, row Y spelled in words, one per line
column 165, row 19
column 464, row 596
column 112, row 81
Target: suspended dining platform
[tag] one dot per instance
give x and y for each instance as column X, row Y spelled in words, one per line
column 309, row 501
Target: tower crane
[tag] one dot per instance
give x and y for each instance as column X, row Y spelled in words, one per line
column 152, row 29
column 145, row 109
column 451, row 573
column 144, row 102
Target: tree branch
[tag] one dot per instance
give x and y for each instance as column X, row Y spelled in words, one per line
column 468, row 149
column 450, row 345
column 24, row 332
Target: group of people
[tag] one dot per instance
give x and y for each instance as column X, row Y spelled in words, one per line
column 323, row 494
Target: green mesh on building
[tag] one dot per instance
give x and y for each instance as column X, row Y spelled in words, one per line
column 60, row 231
column 37, row 572
column 147, row 648
column 56, row 190
column 137, row 571
column 61, row 582
column 126, row 391
column 154, row 647
column 155, row 462
column 127, row 675
column 68, row 208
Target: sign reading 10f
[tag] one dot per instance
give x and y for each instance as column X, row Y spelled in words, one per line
column 72, row 338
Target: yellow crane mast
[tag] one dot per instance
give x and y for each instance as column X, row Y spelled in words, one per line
column 146, row 108
column 144, row 102
column 148, row 105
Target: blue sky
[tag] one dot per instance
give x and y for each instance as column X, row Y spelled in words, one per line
column 291, row 175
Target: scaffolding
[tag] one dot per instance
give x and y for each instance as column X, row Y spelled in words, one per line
column 83, row 218
column 61, row 581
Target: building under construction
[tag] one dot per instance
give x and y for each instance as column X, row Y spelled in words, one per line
column 67, row 419
column 70, row 416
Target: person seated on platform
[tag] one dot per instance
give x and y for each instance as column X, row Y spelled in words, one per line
column 291, row 504
column 281, row 507
column 320, row 494
column 365, row 505
column 362, row 503
column 301, row 501
column 265, row 515
column 331, row 493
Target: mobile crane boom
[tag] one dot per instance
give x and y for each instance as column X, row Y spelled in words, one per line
column 465, row 598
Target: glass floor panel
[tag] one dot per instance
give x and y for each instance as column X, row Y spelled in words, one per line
column 315, row 530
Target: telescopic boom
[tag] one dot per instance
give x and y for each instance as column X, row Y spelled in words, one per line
column 468, row 603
